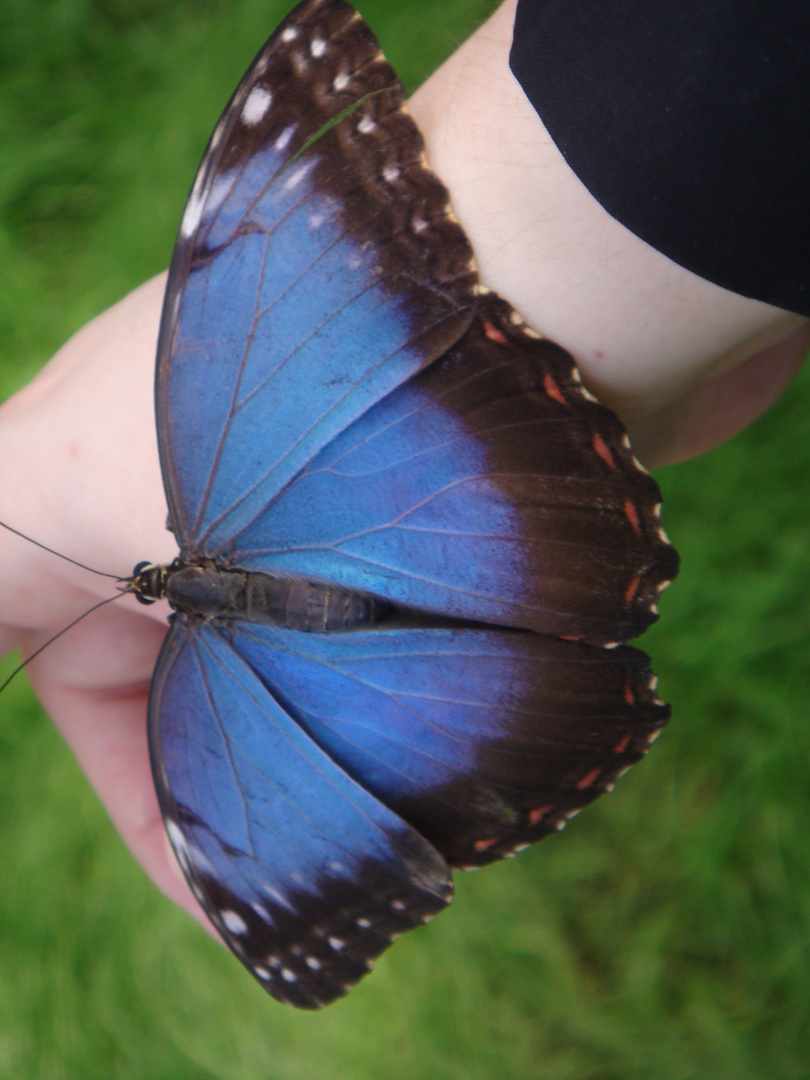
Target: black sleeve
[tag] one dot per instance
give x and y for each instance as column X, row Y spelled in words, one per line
column 689, row 121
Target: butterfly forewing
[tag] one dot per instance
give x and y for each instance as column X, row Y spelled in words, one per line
column 492, row 487
column 305, row 874
column 316, row 271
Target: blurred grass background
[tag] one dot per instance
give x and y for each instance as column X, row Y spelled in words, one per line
column 663, row 936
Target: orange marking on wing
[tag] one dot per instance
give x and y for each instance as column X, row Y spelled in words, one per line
column 629, row 696
column 603, row 450
column 632, row 589
column 536, row 816
column 586, row 781
column 632, row 516
column 482, row 845
column 570, row 637
column 620, row 747
column 494, row 334
column 553, row 390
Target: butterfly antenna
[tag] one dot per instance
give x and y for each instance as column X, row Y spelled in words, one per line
column 60, row 556
column 50, row 641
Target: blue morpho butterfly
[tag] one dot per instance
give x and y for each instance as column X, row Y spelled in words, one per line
column 410, row 539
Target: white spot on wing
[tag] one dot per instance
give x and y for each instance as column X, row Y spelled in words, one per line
column 283, row 141
column 336, row 943
column 200, row 861
column 290, row 34
column 398, row 905
column 192, row 214
column 262, row 912
column 176, row 836
column 256, row 105
column 234, row 922
column 262, row 972
column 218, row 194
column 313, row 963
column 364, row 924
column 391, row 173
column 295, row 177
column 317, row 47
column 288, row 976
column 341, row 81
column 366, row 125
column 274, row 894
column 216, row 138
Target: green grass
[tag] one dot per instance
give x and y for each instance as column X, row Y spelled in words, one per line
column 664, row 936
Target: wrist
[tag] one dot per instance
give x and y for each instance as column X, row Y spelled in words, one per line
column 644, row 330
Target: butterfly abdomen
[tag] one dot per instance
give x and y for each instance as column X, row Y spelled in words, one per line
column 209, row 592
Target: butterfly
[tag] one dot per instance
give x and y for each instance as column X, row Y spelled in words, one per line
column 411, row 542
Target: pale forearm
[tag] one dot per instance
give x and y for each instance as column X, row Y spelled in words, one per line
column 644, row 330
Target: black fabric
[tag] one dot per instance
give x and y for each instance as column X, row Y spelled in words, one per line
column 689, row 121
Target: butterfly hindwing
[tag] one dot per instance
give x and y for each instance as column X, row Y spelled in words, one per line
column 491, row 486
column 483, row 740
column 305, row 874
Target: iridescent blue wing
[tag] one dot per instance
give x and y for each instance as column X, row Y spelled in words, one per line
column 305, row 874
column 315, row 271
column 483, row 740
column 492, row 486
column 337, row 402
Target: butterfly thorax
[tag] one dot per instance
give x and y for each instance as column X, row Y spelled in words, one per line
column 210, row 592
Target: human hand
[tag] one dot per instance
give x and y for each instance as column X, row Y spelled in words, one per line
column 685, row 364
column 86, row 481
